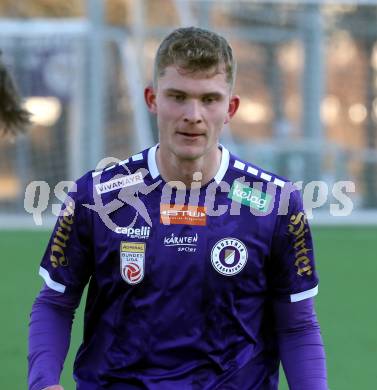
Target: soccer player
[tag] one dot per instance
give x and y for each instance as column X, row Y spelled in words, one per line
column 13, row 117
column 200, row 265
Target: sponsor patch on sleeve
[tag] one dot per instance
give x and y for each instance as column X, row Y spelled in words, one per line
column 298, row 227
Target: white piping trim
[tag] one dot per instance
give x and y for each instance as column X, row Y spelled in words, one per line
column 137, row 157
column 265, row 176
column 152, row 165
column 239, row 165
column 304, row 295
column 252, row 170
column 223, row 165
column 50, row 283
column 279, row 182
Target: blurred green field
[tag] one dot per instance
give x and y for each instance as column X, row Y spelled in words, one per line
column 346, row 305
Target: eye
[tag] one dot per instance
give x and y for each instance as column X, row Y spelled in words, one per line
column 209, row 99
column 178, row 97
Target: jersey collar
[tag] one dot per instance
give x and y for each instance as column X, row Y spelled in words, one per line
column 153, row 170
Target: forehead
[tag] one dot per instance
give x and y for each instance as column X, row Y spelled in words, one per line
column 207, row 81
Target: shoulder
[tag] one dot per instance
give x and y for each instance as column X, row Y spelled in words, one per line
column 255, row 173
column 283, row 193
column 124, row 167
column 115, row 176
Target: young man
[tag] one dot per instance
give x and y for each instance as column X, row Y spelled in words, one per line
column 200, row 265
column 13, row 118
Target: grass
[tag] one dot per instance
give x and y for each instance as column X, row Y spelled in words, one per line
column 346, row 306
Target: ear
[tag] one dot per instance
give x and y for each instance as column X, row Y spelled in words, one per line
column 150, row 99
column 234, row 103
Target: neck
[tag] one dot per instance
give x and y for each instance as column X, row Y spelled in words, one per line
column 173, row 168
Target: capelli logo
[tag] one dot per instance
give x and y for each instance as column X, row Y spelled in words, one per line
column 183, row 215
column 142, row 233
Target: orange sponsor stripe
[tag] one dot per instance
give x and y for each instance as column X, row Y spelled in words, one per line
column 171, row 214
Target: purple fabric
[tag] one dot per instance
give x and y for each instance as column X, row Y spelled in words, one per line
column 190, row 309
column 49, row 337
column 300, row 345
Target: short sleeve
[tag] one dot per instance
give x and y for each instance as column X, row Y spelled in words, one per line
column 67, row 262
column 291, row 268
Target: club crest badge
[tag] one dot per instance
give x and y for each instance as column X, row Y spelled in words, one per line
column 132, row 259
column 229, row 256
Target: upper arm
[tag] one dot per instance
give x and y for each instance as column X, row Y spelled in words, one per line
column 295, row 317
column 68, row 261
column 292, row 271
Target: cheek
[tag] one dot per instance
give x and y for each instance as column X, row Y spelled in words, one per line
column 218, row 119
column 166, row 112
column 166, row 117
column 219, row 113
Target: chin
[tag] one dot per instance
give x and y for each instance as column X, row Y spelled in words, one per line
column 189, row 153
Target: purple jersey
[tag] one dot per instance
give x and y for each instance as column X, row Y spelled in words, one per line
column 181, row 283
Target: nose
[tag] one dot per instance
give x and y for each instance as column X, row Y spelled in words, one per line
column 192, row 114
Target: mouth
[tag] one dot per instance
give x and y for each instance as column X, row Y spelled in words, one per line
column 190, row 134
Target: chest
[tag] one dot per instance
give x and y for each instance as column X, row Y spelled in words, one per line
column 187, row 246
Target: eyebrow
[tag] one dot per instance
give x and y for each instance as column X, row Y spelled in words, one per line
column 207, row 94
column 173, row 90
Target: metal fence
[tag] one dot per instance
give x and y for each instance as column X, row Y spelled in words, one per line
column 307, row 77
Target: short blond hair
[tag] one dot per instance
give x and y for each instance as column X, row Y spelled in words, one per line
column 195, row 49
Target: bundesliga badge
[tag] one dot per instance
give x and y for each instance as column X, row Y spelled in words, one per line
column 132, row 255
column 229, row 256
